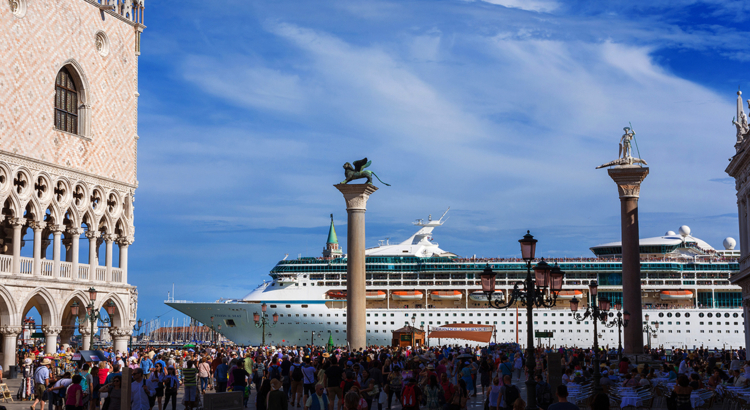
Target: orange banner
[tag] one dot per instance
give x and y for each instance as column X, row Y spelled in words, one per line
column 465, row 331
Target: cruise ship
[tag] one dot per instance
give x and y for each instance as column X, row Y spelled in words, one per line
column 684, row 280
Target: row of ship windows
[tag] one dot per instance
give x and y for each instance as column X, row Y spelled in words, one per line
column 520, row 323
column 560, row 331
column 687, row 315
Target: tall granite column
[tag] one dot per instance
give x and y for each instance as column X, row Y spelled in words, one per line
column 356, row 196
column 628, row 179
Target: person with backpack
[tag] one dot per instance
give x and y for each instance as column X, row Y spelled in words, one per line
column 460, row 397
column 347, row 384
column 543, row 392
column 411, row 395
column 395, row 381
column 509, row 393
column 297, row 377
column 274, row 370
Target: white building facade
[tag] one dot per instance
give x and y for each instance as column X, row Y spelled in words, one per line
column 68, row 150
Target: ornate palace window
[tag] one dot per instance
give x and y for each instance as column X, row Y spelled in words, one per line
column 66, row 102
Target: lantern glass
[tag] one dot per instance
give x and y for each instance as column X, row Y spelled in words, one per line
column 528, row 246
column 574, row 305
column 626, row 315
column 646, row 318
column 264, row 307
column 110, row 308
column 593, row 287
column 140, row 323
column 541, row 272
column 556, row 278
column 604, row 304
column 488, row 280
column 618, row 305
column 92, row 294
column 256, row 317
column 275, row 317
column 74, row 309
column 219, row 328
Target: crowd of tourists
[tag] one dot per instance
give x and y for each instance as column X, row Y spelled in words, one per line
column 382, row 378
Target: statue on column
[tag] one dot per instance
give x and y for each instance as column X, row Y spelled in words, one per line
column 625, row 154
column 358, row 172
column 133, row 304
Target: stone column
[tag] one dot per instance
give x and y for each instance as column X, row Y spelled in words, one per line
column 56, row 242
column 356, row 196
column 120, row 339
column 628, row 179
column 75, row 237
column 17, row 224
column 123, row 244
column 93, row 262
column 109, row 240
column 50, row 338
column 38, row 227
column 85, row 332
column 10, row 340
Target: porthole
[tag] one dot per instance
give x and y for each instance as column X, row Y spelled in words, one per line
column 677, row 315
column 701, row 315
column 735, row 315
column 710, row 315
column 669, row 315
column 687, row 314
column 661, row 314
column 726, row 314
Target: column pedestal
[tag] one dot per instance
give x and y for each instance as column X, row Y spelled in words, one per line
column 628, row 179
column 356, row 197
column 10, row 340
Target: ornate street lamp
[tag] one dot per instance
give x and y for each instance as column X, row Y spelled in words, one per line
column 530, row 293
column 648, row 329
column 597, row 311
column 136, row 328
column 92, row 315
column 621, row 320
column 261, row 321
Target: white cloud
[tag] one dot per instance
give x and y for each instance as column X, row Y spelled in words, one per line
column 545, row 6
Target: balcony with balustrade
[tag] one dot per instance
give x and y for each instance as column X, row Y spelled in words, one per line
column 64, row 271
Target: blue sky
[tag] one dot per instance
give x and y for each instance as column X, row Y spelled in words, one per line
column 499, row 109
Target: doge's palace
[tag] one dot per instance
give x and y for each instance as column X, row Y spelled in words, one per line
column 68, row 151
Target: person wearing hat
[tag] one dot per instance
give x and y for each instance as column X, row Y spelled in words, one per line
column 277, row 399
column 41, row 379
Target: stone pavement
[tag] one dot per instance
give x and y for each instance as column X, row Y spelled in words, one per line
column 475, row 403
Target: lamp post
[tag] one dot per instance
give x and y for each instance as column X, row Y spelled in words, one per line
column 621, row 320
column 597, row 310
column 413, row 320
column 218, row 331
column 92, row 315
column 136, row 328
column 494, row 334
column 312, row 339
column 531, row 293
column 261, row 320
column 648, row 329
column 213, row 332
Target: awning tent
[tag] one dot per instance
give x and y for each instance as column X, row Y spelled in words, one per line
column 465, row 331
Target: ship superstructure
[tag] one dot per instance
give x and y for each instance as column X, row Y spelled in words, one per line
column 685, row 287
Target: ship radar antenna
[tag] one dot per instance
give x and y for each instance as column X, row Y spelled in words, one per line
column 286, row 255
column 444, row 213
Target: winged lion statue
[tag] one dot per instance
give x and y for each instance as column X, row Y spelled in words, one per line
column 358, row 171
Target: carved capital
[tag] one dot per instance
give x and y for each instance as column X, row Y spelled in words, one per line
column 92, row 234
column 356, row 195
column 74, row 231
column 110, row 237
column 7, row 330
column 17, row 222
column 124, row 242
column 51, row 330
column 84, row 331
column 117, row 333
column 57, row 229
column 628, row 180
column 37, row 225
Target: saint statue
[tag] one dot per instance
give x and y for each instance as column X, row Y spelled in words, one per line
column 626, row 147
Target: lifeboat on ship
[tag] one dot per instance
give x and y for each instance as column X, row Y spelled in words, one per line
column 479, row 296
column 675, row 294
column 336, row 294
column 376, row 295
column 569, row 294
column 446, row 295
column 407, row 295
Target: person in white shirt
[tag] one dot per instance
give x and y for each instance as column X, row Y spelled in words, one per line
column 139, row 392
column 683, row 367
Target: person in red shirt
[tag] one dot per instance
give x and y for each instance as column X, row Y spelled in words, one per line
column 347, row 384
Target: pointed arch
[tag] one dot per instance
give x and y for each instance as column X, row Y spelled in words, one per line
column 122, row 228
column 71, row 70
column 67, row 320
column 55, row 213
column 90, row 220
column 34, row 207
column 72, row 217
column 106, row 224
column 44, row 302
column 120, row 317
column 8, row 309
column 12, row 206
